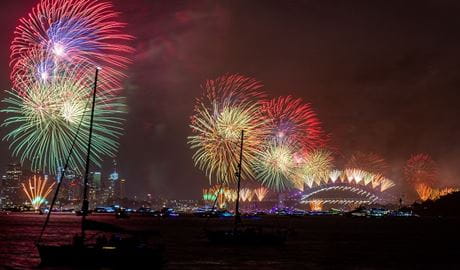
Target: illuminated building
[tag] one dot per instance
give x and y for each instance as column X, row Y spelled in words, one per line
column 95, row 187
column 11, row 185
column 122, row 188
column 113, row 178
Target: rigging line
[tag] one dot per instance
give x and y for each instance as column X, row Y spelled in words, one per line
column 215, row 201
column 63, row 173
column 85, row 204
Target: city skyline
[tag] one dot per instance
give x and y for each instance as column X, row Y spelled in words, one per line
column 378, row 94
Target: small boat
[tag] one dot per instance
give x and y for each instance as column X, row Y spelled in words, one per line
column 122, row 249
column 245, row 235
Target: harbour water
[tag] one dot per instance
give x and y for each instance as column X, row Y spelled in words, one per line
column 316, row 242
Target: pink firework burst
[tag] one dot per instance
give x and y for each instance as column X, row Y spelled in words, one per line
column 68, row 32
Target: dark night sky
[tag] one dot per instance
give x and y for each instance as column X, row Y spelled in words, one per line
column 382, row 76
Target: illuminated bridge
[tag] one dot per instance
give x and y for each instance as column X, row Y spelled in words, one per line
column 350, row 187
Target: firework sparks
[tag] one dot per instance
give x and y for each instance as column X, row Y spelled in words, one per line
column 246, row 194
column 292, row 121
column 37, row 191
column 261, row 193
column 209, row 196
column 230, row 195
column 369, row 162
column 426, row 192
column 49, row 115
column 276, row 167
column 71, row 31
column 229, row 106
column 334, row 175
column 358, row 177
column 316, row 205
column 421, row 169
column 316, row 167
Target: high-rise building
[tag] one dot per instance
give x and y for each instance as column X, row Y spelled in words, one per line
column 70, row 187
column 95, row 191
column 96, row 177
column 11, row 185
column 122, row 188
column 113, row 179
column 2, row 191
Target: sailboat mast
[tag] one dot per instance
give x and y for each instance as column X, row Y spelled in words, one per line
column 238, row 174
column 85, row 205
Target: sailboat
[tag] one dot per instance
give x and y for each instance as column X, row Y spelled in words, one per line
column 122, row 249
column 245, row 235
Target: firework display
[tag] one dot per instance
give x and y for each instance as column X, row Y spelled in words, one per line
column 45, row 120
column 246, row 194
column 260, row 193
column 426, row 192
column 316, row 205
column 289, row 120
column 209, row 196
column 54, row 55
column 421, row 172
column 37, row 190
column 275, row 166
column 362, row 178
column 316, row 167
column 284, row 145
column 230, row 195
column 69, row 31
column 225, row 195
column 370, row 162
column 421, row 169
column 230, row 104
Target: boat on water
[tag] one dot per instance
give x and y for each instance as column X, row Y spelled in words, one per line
column 240, row 234
column 111, row 247
column 119, row 251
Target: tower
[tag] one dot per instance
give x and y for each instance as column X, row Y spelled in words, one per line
column 122, row 188
column 113, row 178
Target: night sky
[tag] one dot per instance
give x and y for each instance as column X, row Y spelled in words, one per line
column 383, row 76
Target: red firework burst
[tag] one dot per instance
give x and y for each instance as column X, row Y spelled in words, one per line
column 370, row 162
column 421, row 169
column 292, row 120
